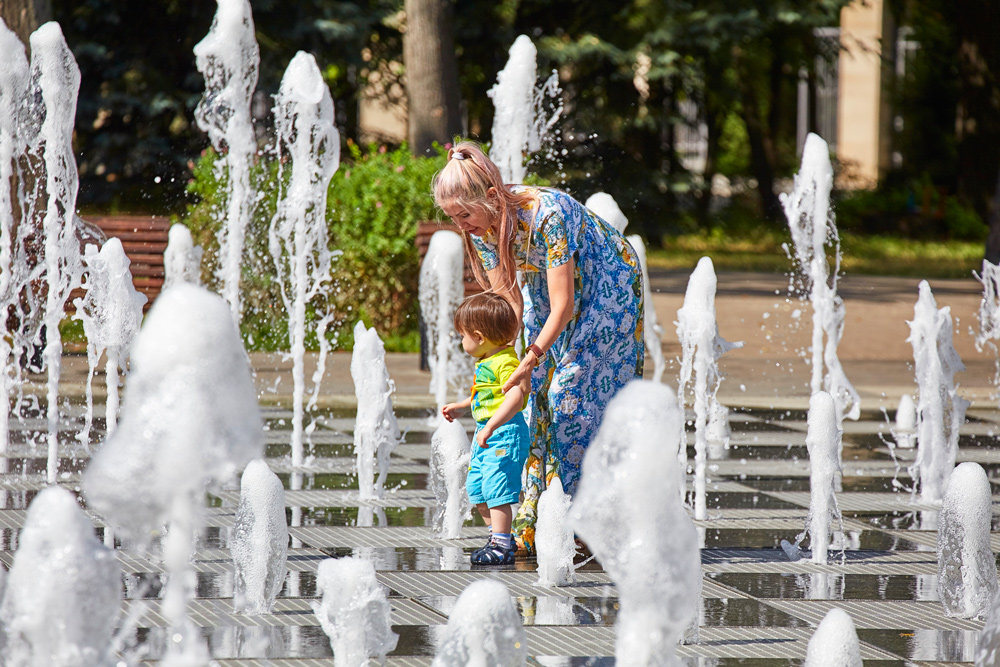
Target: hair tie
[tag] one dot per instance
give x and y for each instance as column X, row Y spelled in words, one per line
column 457, row 155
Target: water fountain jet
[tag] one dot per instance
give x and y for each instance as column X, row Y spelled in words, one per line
column 297, row 236
column 484, row 628
column 812, row 226
column 354, row 611
column 62, row 598
column 450, row 453
column 190, row 420
column 940, row 410
column 260, row 540
column 702, row 346
column 967, row 573
column 111, row 312
column 441, row 290
column 520, row 125
column 182, row 258
column 653, row 557
column 376, row 432
column 229, row 59
column 55, row 79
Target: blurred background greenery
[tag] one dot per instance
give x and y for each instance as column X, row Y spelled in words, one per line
column 691, row 114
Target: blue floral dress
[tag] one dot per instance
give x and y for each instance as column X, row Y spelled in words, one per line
column 597, row 354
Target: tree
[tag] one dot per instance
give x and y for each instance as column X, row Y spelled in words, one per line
column 431, row 74
column 950, row 103
column 24, row 16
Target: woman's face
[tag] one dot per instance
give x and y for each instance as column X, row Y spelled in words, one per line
column 472, row 221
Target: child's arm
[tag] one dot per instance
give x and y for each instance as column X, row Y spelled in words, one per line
column 512, row 402
column 451, row 410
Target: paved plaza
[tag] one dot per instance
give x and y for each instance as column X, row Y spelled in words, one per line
column 757, row 607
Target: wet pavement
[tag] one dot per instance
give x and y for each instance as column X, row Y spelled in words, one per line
column 757, row 606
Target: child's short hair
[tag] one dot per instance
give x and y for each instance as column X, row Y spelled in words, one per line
column 490, row 314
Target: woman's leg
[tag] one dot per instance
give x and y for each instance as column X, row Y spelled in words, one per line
column 538, row 469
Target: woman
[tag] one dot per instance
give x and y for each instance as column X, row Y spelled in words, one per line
column 580, row 299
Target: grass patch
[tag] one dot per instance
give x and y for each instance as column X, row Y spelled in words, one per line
column 762, row 250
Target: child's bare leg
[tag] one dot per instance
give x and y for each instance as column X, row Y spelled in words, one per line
column 484, row 512
column 500, row 518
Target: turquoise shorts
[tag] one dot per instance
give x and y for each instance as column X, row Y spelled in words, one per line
column 495, row 472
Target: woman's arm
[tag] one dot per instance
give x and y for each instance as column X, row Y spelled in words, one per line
column 560, row 281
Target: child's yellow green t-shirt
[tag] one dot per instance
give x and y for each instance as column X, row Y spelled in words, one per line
column 491, row 374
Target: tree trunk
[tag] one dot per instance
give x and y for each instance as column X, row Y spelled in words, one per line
column 431, row 74
column 24, row 16
column 992, row 254
column 762, row 152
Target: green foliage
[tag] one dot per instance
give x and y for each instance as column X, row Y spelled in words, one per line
column 375, row 203
column 917, row 209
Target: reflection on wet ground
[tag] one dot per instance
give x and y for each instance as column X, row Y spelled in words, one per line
column 758, row 607
column 831, row 586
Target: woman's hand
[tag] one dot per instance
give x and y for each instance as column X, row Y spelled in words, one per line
column 521, row 374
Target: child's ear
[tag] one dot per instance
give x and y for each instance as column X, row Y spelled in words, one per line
column 480, row 336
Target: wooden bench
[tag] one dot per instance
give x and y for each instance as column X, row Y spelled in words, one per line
column 144, row 240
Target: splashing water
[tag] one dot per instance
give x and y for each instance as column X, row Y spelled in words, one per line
column 111, row 312
column 17, row 267
column 905, row 431
column 654, row 557
column 940, row 410
column 55, row 77
column 182, row 258
column 297, row 237
column 450, row 453
column 824, row 443
column 967, row 573
column 190, row 420
column 441, row 290
column 812, row 226
column 62, row 597
column 702, row 346
column 520, row 124
column 835, row 642
column 260, row 540
column 554, row 537
column 988, row 641
column 229, row 58
column 354, row 611
column 484, row 628
column 607, row 209
column 376, row 432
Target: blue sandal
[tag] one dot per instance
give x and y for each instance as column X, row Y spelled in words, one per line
column 494, row 554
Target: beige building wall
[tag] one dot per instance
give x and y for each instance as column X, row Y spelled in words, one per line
column 862, row 107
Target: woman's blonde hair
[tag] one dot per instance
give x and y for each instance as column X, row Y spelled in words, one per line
column 490, row 314
column 465, row 181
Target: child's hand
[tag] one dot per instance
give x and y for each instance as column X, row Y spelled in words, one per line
column 450, row 411
column 482, row 435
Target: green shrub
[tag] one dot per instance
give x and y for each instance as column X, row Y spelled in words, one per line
column 916, row 210
column 375, row 203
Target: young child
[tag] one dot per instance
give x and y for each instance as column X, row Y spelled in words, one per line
column 488, row 324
